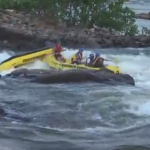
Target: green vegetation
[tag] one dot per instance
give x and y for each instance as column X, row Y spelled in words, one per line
column 104, row 13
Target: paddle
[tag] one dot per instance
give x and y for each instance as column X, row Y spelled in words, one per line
column 113, row 60
column 108, row 60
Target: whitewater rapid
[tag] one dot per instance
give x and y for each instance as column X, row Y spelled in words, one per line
column 137, row 98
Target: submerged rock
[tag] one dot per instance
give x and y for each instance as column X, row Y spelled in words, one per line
column 25, row 71
column 11, row 115
column 76, row 76
column 73, row 76
column 2, row 111
column 28, row 73
column 132, row 147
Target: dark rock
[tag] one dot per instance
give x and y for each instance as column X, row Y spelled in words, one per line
column 108, row 42
column 143, row 16
column 18, row 71
column 2, row 112
column 13, row 116
column 28, row 72
column 49, row 43
column 73, row 76
column 132, row 147
column 84, row 76
column 90, row 42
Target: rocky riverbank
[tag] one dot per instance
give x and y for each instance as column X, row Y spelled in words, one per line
column 145, row 16
column 22, row 31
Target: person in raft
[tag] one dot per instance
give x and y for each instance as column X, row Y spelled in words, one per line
column 90, row 60
column 95, row 61
column 78, row 57
column 57, row 49
column 57, row 53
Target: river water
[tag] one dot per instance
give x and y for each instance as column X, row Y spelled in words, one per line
column 79, row 116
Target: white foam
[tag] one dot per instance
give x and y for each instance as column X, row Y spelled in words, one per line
column 137, row 66
column 4, row 55
column 138, row 105
column 36, row 65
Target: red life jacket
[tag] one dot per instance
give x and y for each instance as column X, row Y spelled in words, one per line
column 57, row 48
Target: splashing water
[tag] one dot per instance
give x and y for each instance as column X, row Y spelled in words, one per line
column 136, row 66
column 4, row 55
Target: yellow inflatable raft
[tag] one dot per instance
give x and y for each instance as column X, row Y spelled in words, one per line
column 53, row 63
column 23, row 59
